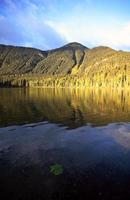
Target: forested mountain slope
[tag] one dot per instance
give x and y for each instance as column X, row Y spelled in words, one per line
column 70, row 65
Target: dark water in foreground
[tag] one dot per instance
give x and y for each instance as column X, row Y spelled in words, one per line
column 85, row 132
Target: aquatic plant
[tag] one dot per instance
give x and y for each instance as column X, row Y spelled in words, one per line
column 56, row 169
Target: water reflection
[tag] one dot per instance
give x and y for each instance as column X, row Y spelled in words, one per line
column 70, row 107
column 96, row 160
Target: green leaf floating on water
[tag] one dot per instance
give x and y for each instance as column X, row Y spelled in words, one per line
column 56, row 169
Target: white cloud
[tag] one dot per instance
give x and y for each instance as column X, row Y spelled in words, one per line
column 41, row 25
column 113, row 35
column 27, row 28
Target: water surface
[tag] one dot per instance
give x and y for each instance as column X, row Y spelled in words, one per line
column 86, row 132
column 70, row 107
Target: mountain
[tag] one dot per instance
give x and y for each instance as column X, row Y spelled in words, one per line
column 20, row 60
column 70, row 65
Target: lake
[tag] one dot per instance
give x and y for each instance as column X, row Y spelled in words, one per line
column 64, row 144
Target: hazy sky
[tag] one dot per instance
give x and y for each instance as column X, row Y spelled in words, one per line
column 48, row 24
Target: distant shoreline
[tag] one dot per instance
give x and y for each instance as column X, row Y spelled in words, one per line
column 57, row 82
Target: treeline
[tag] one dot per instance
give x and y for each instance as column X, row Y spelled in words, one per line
column 87, row 80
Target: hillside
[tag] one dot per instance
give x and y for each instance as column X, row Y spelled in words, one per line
column 70, row 65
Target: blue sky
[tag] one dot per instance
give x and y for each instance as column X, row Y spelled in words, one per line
column 47, row 24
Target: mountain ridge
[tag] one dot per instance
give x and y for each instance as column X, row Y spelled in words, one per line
column 101, row 66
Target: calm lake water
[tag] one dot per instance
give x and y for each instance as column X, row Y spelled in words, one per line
column 62, row 144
